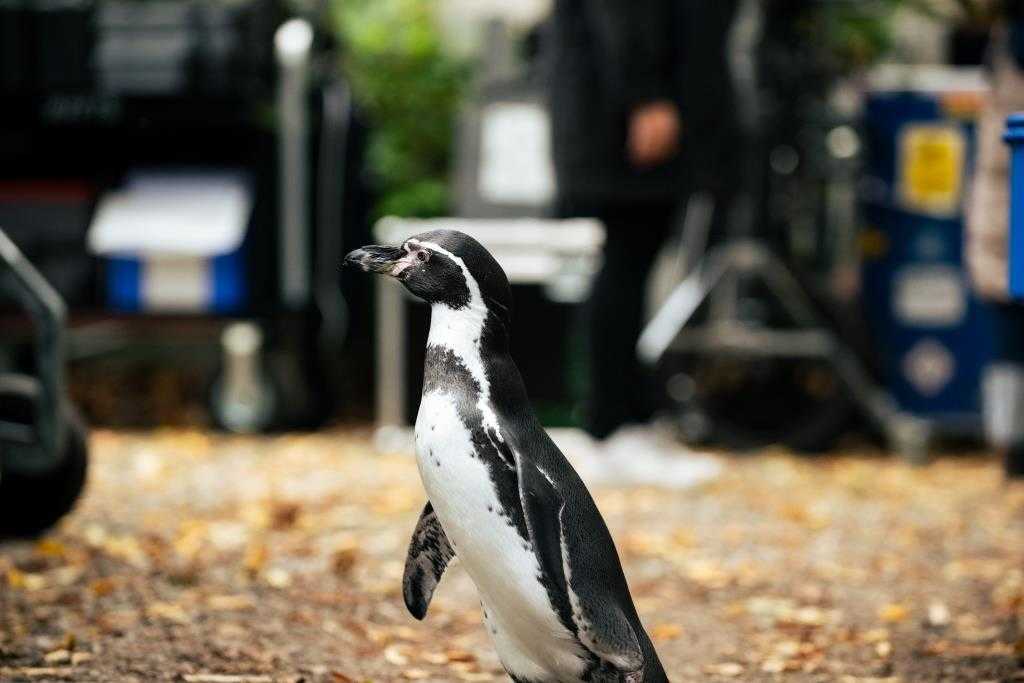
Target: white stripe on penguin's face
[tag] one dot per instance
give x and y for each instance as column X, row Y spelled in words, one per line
column 461, row 330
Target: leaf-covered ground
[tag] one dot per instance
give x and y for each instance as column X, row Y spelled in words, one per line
column 214, row 559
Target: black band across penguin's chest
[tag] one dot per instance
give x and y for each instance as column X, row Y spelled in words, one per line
column 445, row 374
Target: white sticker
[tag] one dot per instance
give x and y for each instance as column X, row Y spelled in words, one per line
column 929, row 366
column 515, row 155
column 176, row 283
column 932, row 295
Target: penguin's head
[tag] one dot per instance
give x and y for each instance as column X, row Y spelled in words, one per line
column 442, row 267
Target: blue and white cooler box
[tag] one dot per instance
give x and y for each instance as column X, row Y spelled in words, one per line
column 173, row 241
column 933, row 335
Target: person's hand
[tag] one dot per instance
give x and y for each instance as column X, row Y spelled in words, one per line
column 653, row 133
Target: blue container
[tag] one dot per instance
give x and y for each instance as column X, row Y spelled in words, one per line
column 219, row 285
column 174, row 240
column 932, row 334
column 1015, row 138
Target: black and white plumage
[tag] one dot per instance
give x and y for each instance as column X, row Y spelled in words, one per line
column 503, row 498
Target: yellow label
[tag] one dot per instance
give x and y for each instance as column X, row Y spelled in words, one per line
column 931, row 168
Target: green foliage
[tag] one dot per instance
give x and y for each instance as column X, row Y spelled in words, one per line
column 856, row 34
column 850, row 35
column 859, row 33
column 410, row 87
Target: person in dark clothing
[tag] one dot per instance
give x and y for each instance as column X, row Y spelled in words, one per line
column 624, row 76
column 620, row 389
column 615, row 101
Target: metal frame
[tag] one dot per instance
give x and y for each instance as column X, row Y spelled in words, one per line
column 500, row 81
column 293, row 44
column 716, row 278
column 38, row 448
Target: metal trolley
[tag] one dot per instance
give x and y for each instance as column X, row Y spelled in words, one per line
column 186, row 87
column 43, row 444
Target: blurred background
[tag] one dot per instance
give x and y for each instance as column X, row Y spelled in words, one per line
column 187, row 176
column 765, row 227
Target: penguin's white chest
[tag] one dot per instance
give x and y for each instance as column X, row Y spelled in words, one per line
column 531, row 641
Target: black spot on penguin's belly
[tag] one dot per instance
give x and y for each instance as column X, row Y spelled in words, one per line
column 443, row 372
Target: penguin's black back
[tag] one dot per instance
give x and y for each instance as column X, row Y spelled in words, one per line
column 527, row 437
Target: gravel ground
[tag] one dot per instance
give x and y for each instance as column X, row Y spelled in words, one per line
column 229, row 560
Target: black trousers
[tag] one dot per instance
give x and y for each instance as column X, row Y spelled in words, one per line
column 620, row 392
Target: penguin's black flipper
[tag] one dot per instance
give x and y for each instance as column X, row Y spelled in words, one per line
column 542, row 507
column 429, row 554
column 601, row 625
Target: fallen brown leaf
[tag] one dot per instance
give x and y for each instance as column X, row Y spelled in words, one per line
column 666, row 631
column 892, row 613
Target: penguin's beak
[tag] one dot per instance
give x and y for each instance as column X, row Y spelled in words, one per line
column 379, row 259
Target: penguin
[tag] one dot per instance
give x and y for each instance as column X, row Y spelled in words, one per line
column 501, row 495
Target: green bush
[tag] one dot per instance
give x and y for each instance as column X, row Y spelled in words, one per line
column 410, row 87
column 858, row 34
column 855, row 35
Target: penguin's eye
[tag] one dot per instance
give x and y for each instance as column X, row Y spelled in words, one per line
column 422, row 255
